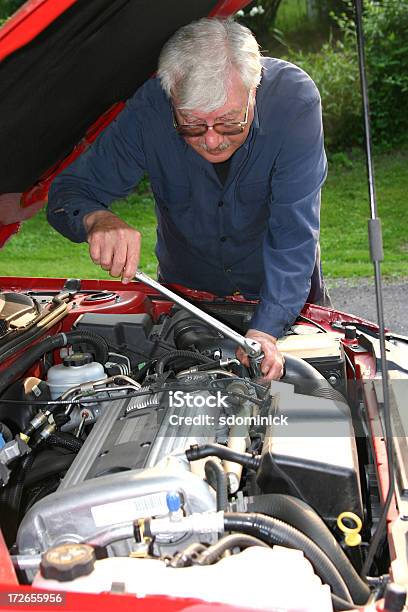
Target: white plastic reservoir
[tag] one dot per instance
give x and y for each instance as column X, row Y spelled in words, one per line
column 76, row 369
column 267, row 579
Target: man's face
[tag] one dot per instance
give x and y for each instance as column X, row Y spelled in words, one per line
column 215, row 147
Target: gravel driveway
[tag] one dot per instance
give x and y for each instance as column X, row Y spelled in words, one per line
column 357, row 296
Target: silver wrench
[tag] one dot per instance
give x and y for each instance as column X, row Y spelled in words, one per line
column 251, row 347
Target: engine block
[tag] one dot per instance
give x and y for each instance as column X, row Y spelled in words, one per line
column 132, row 458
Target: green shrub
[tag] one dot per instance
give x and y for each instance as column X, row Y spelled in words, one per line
column 335, row 71
column 386, row 32
column 8, row 7
column 260, row 17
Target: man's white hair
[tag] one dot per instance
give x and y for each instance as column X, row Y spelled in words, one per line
column 197, row 62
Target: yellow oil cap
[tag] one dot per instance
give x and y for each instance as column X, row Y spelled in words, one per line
column 352, row 535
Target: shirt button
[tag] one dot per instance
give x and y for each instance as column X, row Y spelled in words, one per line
column 220, row 204
column 223, row 238
column 227, row 270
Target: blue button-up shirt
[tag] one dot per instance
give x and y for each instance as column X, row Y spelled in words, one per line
column 257, row 233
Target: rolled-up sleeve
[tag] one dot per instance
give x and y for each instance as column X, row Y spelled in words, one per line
column 289, row 248
column 110, row 169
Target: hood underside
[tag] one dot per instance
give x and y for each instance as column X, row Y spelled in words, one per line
column 93, row 55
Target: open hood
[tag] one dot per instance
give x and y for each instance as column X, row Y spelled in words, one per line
column 106, row 496
column 66, row 63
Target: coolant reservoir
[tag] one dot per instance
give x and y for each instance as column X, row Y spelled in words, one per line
column 75, row 370
column 267, row 579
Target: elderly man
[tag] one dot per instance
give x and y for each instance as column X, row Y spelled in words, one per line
column 233, row 146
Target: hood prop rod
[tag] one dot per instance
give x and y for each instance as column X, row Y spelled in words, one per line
column 377, row 256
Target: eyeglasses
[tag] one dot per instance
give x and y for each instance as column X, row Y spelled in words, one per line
column 231, row 128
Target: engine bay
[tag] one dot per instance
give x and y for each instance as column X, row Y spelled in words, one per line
column 134, row 443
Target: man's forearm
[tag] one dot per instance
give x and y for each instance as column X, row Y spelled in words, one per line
column 67, row 209
column 107, row 171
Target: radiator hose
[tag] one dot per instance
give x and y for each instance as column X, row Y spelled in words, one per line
column 300, row 515
column 196, row 452
column 97, row 344
column 217, row 478
column 10, row 500
column 306, row 379
column 274, row 531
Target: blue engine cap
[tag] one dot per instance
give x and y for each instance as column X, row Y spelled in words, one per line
column 173, row 501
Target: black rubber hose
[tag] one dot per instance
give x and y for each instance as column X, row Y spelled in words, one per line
column 43, row 470
column 341, row 604
column 295, row 367
column 29, row 358
column 307, row 379
column 140, row 375
column 327, row 392
column 3, row 506
column 16, row 489
column 273, row 531
column 217, row 478
column 11, row 500
column 43, row 491
column 13, row 497
column 196, row 452
column 214, row 552
column 70, row 443
column 98, row 345
column 163, row 361
column 300, row 515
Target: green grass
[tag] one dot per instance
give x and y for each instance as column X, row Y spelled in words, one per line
column 345, row 211
column 38, row 250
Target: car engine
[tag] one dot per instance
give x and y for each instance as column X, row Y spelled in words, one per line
column 139, row 438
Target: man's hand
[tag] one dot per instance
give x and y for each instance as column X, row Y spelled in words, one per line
column 272, row 363
column 113, row 244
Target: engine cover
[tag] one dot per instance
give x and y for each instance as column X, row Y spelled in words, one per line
column 132, row 458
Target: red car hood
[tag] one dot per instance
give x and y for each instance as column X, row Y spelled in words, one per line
column 67, row 66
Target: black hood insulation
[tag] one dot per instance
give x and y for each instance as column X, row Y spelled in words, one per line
column 53, row 89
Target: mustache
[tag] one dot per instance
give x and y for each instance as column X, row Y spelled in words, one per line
column 222, row 147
